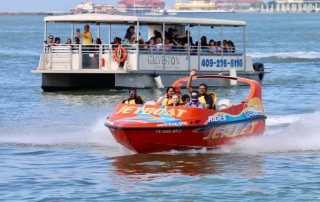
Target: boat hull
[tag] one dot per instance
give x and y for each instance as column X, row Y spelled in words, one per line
column 150, row 140
column 153, row 128
column 74, row 81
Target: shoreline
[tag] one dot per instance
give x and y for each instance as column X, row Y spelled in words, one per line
column 68, row 13
column 33, row 13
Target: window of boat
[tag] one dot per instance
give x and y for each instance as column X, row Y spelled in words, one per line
column 216, row 40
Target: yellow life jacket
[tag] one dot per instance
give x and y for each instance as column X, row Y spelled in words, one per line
column 213, row 96
column 132, row 101
column 202, row 99
column 166, row 101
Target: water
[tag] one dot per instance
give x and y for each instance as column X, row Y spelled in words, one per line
column 54, row 147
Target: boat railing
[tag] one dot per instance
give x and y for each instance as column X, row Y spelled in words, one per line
column 101, row 56
column 79, row 48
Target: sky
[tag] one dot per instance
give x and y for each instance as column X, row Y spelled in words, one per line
column 48, row 5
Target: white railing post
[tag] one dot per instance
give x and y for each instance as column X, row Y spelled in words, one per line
column 244, row 49
column 188, row 41
column 163, row 44
column 199, row 47
column 222, row 63
column 138, row 48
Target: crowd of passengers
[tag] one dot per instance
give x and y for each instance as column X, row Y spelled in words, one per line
column 173, row 41
column 198, row 98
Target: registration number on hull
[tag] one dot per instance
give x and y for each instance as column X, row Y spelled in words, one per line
column 168, row 131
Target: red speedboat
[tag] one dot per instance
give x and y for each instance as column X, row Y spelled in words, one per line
column 154, row 128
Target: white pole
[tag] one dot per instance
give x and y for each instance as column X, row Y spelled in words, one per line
column 188, row 41
column 45, row 31
column 138, row 48
column 98, row 30
column 164, row 38
column 109, row 34
column 244, row 49
column 199, row 46
column 72, row 32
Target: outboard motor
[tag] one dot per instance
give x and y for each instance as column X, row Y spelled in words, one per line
column 258, row 67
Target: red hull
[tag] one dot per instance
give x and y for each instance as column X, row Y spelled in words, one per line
column 161, row 140
column 154, row 128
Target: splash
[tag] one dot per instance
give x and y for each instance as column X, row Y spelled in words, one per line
column 283, row 134
column 95, row 136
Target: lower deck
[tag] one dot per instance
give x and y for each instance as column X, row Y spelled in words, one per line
column 73, row 81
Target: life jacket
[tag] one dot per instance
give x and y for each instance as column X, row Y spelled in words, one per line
column 137, row 100
column 213, row 96
column 166, row 102
column 130, row 101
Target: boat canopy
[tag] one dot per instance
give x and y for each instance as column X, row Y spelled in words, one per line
column 123, row 19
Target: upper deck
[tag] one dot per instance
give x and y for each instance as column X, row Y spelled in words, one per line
column 182, row 55
column 122, row 19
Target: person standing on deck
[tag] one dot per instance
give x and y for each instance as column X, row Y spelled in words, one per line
column 86, row 35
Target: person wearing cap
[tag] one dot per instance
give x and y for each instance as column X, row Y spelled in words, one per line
column 195, row 100
column 86, row 35
column 133, row 98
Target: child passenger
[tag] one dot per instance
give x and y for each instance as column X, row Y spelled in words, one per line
column 195, row 100
column 175, row 101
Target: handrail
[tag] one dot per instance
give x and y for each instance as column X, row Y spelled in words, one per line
column 254, row 85
column 146, row 48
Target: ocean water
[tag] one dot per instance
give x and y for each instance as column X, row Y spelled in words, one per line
column 54, row 146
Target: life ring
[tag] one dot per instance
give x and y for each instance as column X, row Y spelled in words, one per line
column 120, row 54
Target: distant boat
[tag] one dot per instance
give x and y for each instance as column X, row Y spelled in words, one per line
column 186, row 11
column 161, row 12
column 116, row 65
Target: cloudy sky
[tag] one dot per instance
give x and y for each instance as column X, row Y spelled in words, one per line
column 48, row 5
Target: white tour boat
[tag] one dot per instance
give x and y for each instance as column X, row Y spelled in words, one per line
column 109, row 65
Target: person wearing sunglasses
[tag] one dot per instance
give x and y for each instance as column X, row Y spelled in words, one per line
column 194, row 101
column 51, row 41
column 204, row 97
column 133, row 98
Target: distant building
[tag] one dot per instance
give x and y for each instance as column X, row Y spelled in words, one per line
column 195, row 4
column 104, row 8
column 140, row 5
column 84, row 7
column 292, row 6
column 89, row 7
column 238, row 4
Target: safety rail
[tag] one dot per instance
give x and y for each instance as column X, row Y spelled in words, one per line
column 143, row 48
column 103, row 56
